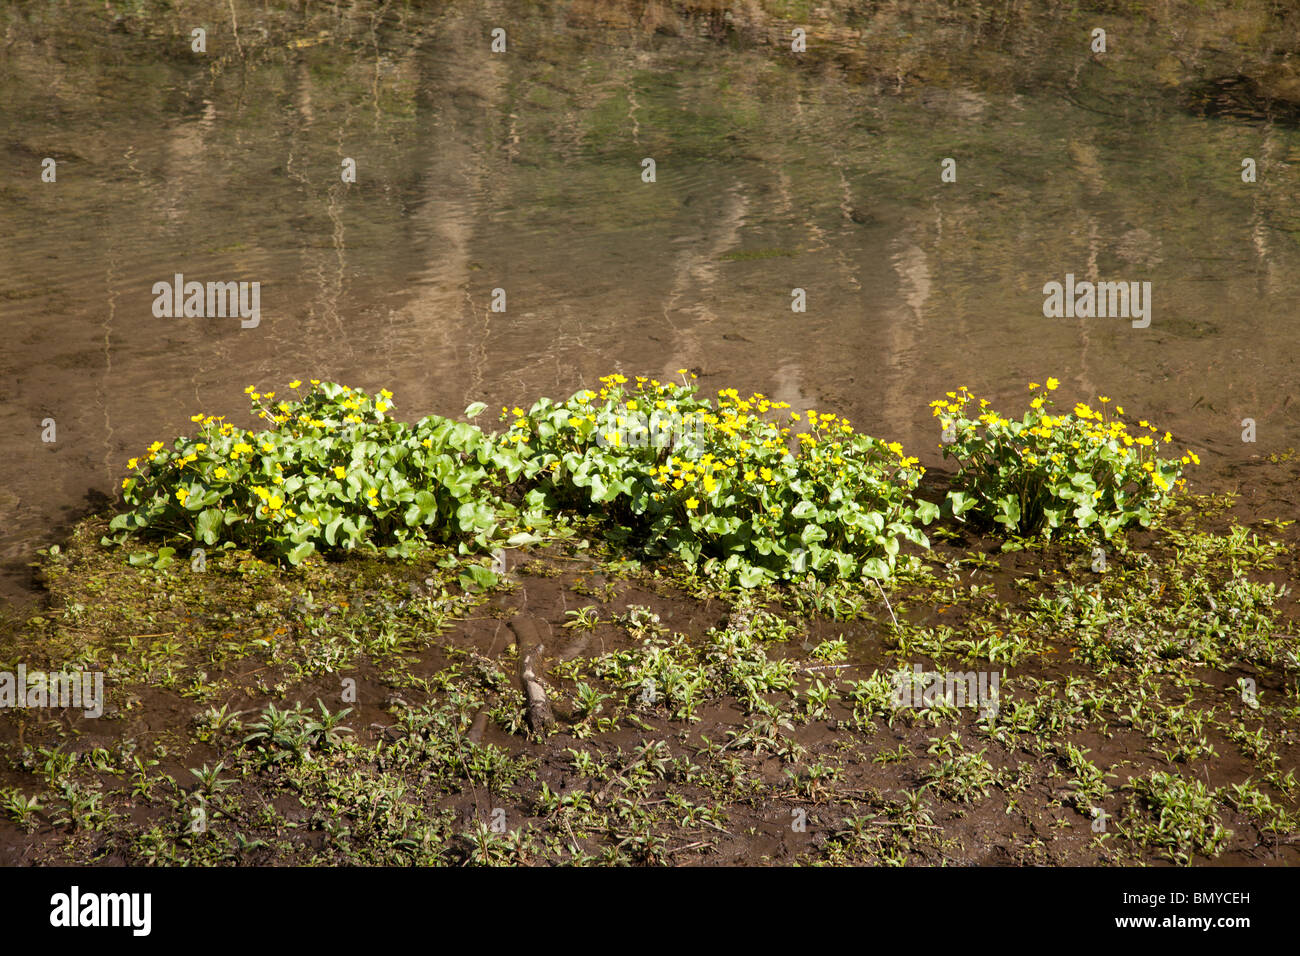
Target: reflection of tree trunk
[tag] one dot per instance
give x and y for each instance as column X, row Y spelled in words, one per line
column 1085, row 158
column 328, row 266
column 1259, row 208
column 695, row 277
column 456, row 149
column 906, row 324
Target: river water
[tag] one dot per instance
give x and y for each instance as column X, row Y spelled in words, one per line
column 523, row 171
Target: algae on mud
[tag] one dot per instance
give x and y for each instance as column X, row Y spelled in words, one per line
column 695, row 724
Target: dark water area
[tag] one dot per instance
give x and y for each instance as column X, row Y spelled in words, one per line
column 522, row 171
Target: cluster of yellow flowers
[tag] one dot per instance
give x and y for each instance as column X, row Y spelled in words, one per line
column 273, row 502
column 743, row 442
column 155, row 453
column 1098, row 428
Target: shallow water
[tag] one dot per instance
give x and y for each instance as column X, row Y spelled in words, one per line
column 522, row 171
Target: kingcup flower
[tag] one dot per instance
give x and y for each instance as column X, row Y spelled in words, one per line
column 739, row 486
column 1047, row 471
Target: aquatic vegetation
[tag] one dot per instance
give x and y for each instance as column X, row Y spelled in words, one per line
column 1077, row 470
column 736, row 487
column 333, row 471
column 742, row 490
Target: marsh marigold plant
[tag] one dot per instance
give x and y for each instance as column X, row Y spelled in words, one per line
column 332, row 470
column 741, row 485
column 1082, row 469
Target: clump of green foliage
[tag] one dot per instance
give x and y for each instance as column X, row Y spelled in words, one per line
column 743, row 490
column 1043, row 472
column 724, row 486
column 333, row 471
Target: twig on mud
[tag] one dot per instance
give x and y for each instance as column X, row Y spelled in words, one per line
column 692, row 846
column 895, row 823
column 530, row 646
column 600, row 794
column 886, row 600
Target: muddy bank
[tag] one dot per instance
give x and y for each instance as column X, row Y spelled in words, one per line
column 371, row 712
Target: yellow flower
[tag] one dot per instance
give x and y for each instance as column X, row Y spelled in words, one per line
column 750, row 476
column 692, row 504
column 373, row 492
column 315, row 381
column 275, row 503
column 1192, row 456
column 220, row 471
column 1033, row 385
column 339, row 473
column 132, row 462
column 1053, row 384
column 181, row 495
column 295, row 383
column 196, row 418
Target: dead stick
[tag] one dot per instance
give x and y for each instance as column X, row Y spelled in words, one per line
column 691, row 846
column 529, row 640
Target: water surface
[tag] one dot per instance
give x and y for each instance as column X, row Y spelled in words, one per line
column 522, row 171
